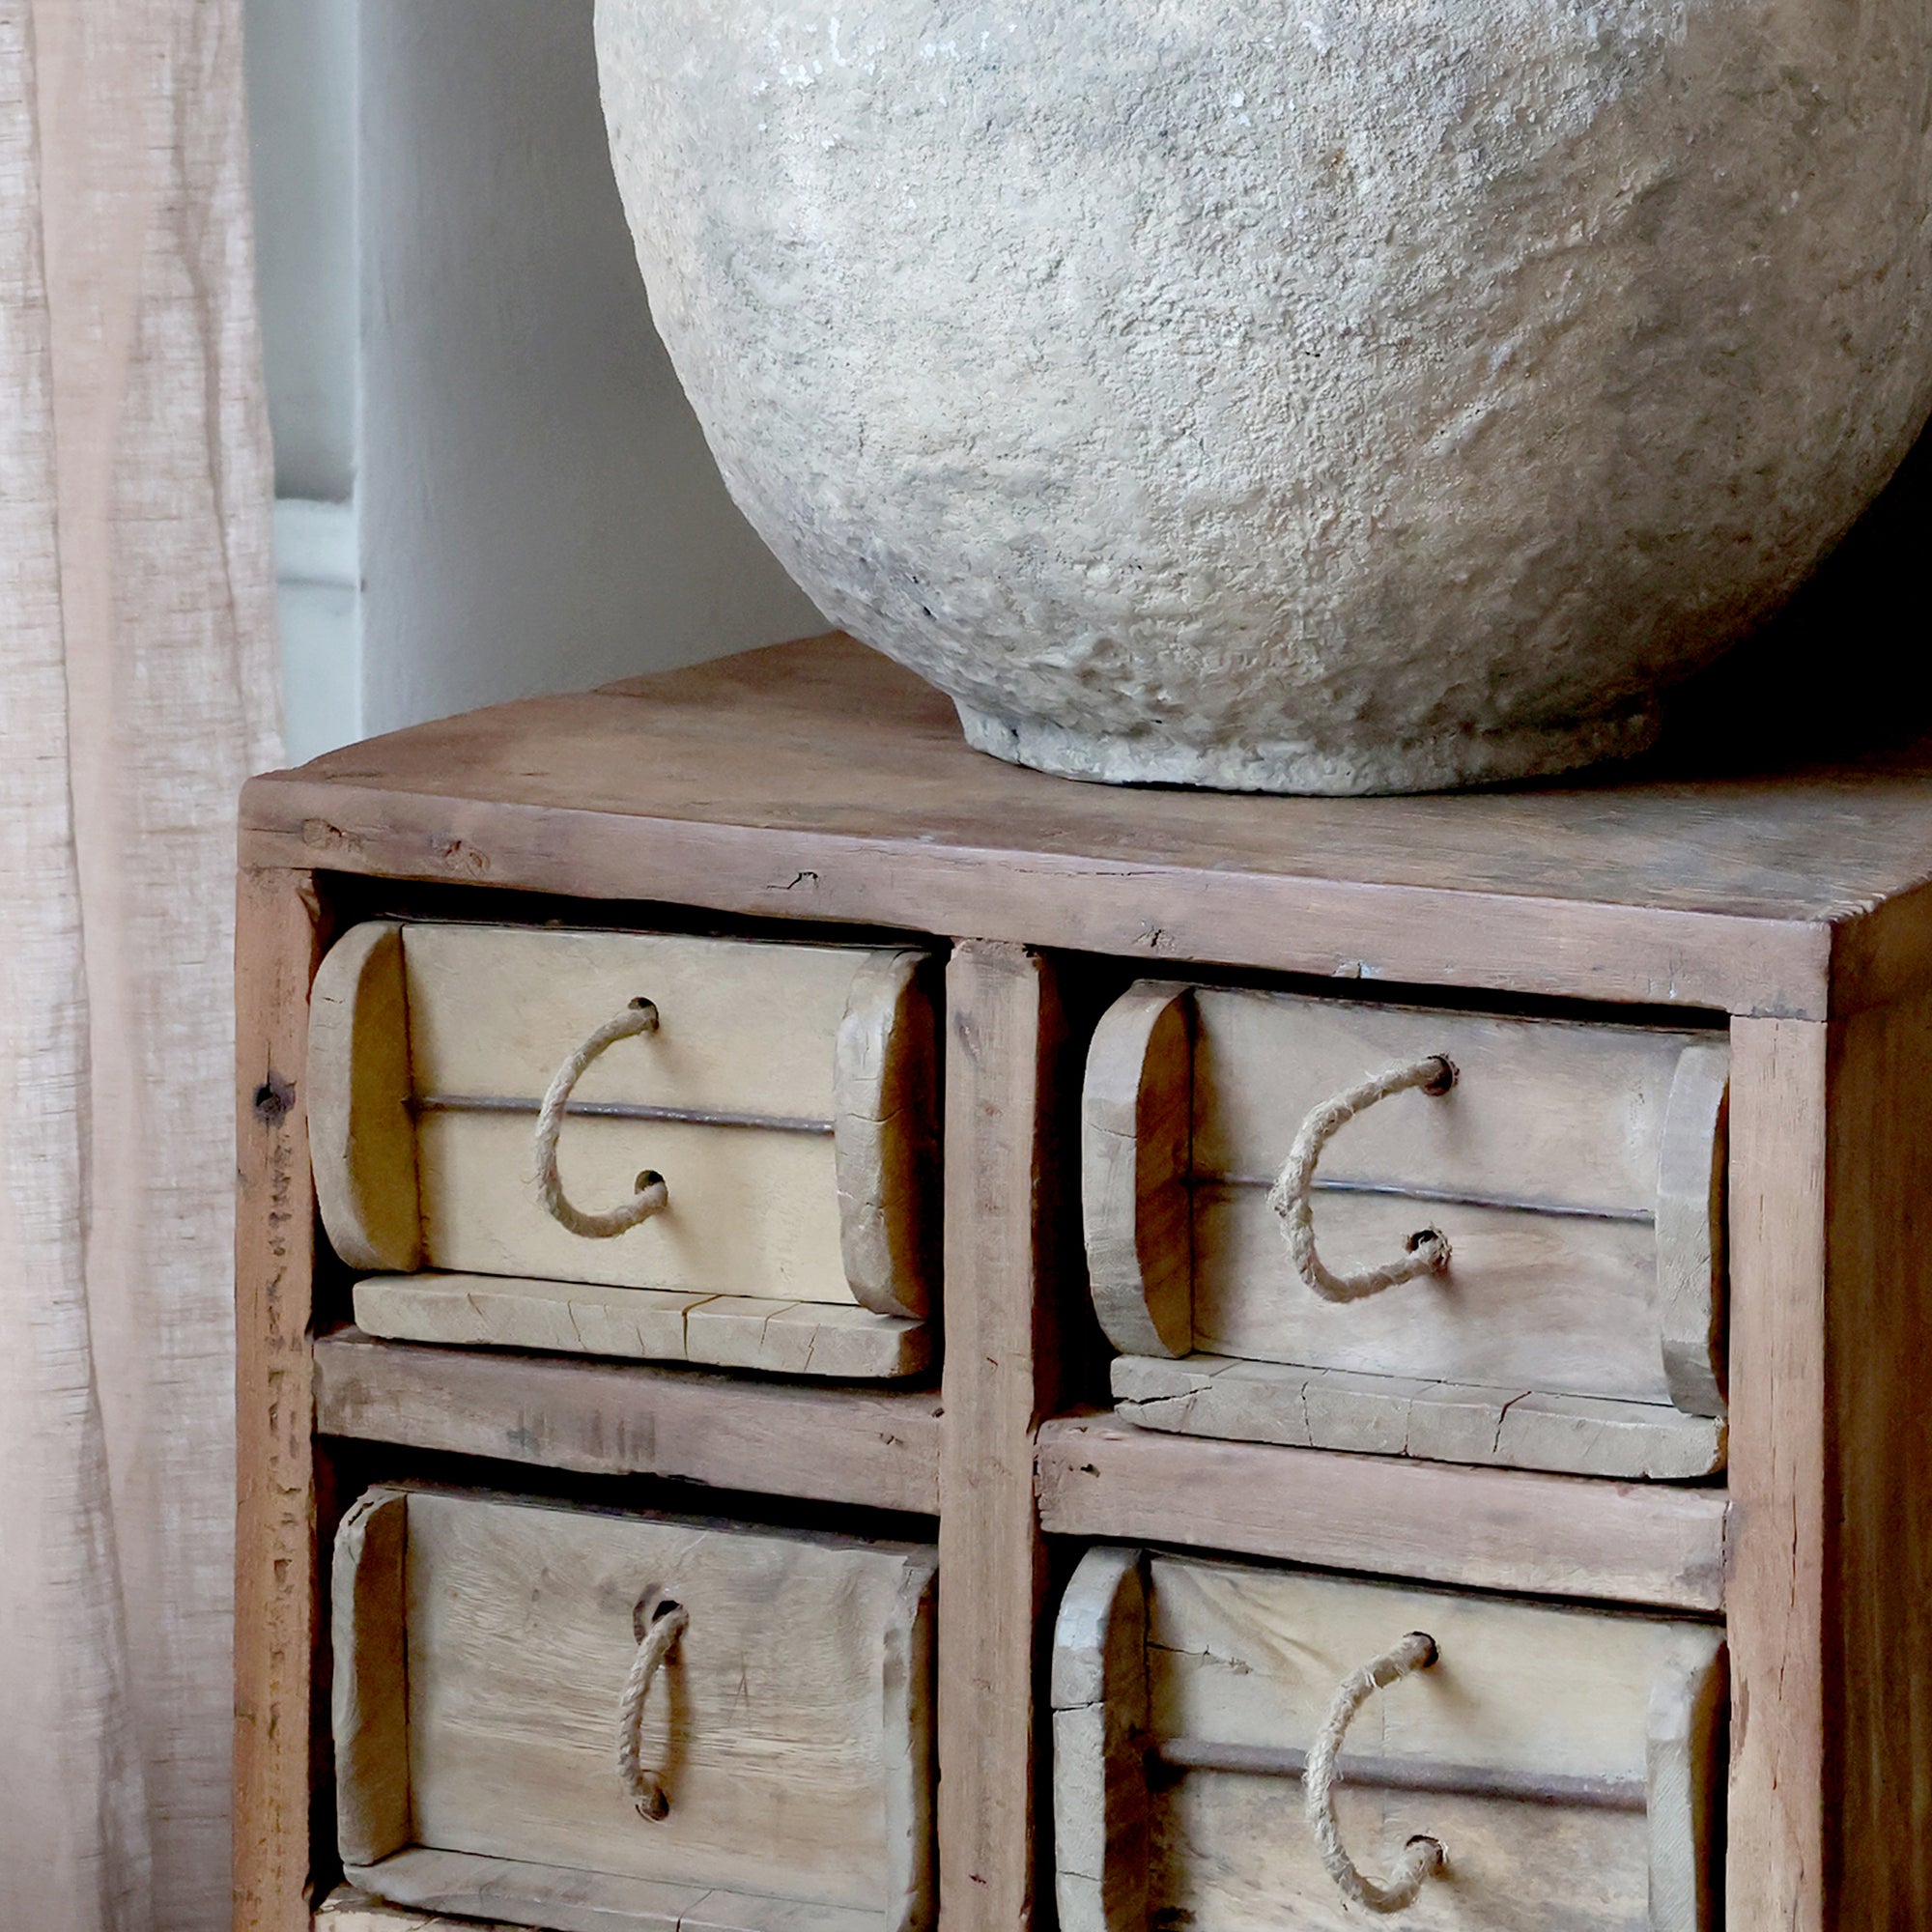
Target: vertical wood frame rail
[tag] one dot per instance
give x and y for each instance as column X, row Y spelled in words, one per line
column 1004, row 1058
column 279, row 935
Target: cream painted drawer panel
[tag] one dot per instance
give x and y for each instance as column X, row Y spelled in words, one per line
column 1566, row 1763
column 773, row 1115
column 1493, row 1212
column 783, row 1741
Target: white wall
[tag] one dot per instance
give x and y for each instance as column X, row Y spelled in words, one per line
column 503, row 489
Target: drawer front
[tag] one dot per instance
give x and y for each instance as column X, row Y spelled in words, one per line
column 482, row 1649
column 1568, row 1763
column 1573, row 1173
column 784, row 1097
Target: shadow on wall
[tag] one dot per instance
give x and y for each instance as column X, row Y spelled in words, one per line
column 1845, row 671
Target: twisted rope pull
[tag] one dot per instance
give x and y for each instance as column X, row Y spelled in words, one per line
column 640, row 1016
column 1422, row 1857
column 1291, row 1196
column 644, row 1787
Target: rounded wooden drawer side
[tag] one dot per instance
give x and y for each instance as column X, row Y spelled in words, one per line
column 1563, row 1182
column 482, row 1648
column 743, row 1170
column 1569, row 1764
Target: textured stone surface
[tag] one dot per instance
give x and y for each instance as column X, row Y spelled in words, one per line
column 1324, row 395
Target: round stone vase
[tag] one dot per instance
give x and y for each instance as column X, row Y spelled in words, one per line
column 1333, row 396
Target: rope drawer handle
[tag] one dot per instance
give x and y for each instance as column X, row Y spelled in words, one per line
column 1422, row 1857
column 644, row 1787
column 1291, row 1196
column 640, row 1016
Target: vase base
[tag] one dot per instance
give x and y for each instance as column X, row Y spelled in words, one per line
column 1446, row 762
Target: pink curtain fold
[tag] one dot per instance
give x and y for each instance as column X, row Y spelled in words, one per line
column 137, row 689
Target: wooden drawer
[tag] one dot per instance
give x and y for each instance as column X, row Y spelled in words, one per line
column 1568, row 1763
column 784, row 1097
column 1574, row 1172
column 482, row 1649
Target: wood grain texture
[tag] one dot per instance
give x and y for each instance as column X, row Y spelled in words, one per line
column 1395, row 1415
column 1527, row 1749
column 1005, row 1055
column 349, row 1909
column 1099, row 1746
column 798, row 1338
column 1568, row 1306
column 1689, row 1708
column 421, row 1022
column 1543, row 1112
column 362, row 1138
column 606, row 1418
column 1877, row 1625
column 886, row 1087
column 370, row 1710
column 559, row 1898
column 1136, row 1132
column 1776, row 1600
column 1575, row 1170
column 816, row 781
column 279, row 933
column 1692, row 1170
column 1496, row 1529
column 777, row 1729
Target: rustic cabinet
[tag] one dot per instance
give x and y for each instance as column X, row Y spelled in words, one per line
column 832, row 1332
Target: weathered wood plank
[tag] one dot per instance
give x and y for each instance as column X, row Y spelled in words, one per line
column 1527, row 1751
column 1136, row 1131
column 1493, row 1529
column 606, row 1418
column 1004, row 1058
column 1100, row 1747
column 279, row 931
column 837, row 787
column 798, row 1338
column 772, row 1725
column 886, row 1134
column 435, row 1042
column 1394, row 1415
column 1779, row 1800
column 370, row 1675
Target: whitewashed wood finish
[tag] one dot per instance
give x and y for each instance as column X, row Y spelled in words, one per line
column 559, row 1898
column 1394, row 1415
column 839, row 1039
column 791, row 1730
column 349, row 1909
column 1559, row 1304
column 1553, row 1751
column 1575, row 1170
column 1546, row 1113
column 642, row 1324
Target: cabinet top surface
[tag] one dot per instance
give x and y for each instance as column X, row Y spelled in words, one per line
column 704, row 784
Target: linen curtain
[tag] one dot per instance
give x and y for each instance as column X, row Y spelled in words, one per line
column 136, row 691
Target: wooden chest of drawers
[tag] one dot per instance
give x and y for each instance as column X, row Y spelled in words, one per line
column 1399, row 1322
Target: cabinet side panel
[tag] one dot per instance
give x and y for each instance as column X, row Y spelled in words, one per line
column 1878, row 1344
